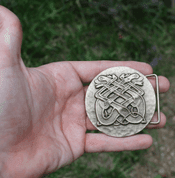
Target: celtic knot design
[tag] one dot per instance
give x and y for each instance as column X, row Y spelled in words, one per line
column 119, row 100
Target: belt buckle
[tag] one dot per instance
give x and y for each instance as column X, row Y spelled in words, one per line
column 120, row 101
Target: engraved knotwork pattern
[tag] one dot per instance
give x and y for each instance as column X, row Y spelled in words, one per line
column 119, row 99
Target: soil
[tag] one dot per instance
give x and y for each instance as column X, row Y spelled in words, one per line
column 161, row 155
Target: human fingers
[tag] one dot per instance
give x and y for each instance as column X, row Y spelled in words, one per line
column 164, row 83
column 155, row 118
column 98, row 142
column 10, row 38
column 87, row 70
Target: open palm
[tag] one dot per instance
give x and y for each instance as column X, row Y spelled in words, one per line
column 43, row 118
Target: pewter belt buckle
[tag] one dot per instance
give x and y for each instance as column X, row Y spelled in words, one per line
column 121, row 101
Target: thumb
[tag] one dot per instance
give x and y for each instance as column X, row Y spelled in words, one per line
column 10, row 38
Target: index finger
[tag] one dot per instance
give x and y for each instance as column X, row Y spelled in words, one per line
column 87, row 70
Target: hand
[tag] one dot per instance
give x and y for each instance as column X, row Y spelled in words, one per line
column 43, row 118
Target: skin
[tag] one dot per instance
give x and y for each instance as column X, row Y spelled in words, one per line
column 43, row 118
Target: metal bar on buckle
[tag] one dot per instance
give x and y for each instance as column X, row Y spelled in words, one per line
column 158, row 103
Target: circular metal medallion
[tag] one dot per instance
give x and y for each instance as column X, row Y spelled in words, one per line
column 120, row 101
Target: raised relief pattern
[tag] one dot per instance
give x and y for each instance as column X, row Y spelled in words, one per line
column 119, row 99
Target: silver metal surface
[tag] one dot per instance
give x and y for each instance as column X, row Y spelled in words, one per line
column 158, row 103
column 121, row 101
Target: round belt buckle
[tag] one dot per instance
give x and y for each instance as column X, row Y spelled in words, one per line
column 120, row 101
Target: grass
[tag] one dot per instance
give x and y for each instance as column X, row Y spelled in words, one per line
column 90, row 30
